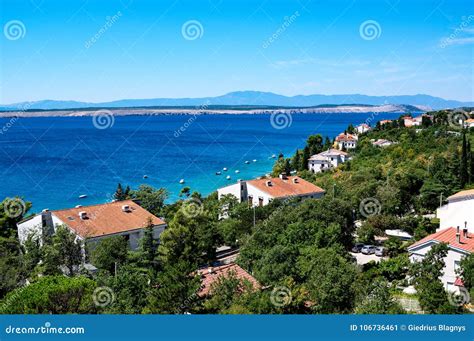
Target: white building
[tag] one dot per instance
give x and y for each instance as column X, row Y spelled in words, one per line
column 120, row 218
column 382, row 143
column 346, row 141
column 459, row 211
column 469, row 123
column 363, row 128
column 328, row 159
column 261, row 192
column 461, row 244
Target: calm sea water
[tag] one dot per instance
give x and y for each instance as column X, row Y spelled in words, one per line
column 52, row 161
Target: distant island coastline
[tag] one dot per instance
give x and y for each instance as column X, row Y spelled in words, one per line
column 214, row 110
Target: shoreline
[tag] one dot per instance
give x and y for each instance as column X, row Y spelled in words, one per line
column 203, row 111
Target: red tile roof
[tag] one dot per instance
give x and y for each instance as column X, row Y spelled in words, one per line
column 448, row 236
column 106, row 219
column 211, row 275
column 281, row 188
column 345, row 137
column 458, row 282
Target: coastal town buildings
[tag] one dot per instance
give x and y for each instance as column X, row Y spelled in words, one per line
column 92, row 223
column 381, row 143
column 346, row 141
column 469, row 123
column 211, row 275
column 460, row 243
column 458, row 211
column 261, row 192
column 362, row 128
column 328, row 159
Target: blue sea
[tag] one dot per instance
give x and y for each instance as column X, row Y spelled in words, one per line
column 51, row 161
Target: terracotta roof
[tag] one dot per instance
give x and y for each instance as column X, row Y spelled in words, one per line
column 467, row 194
column 385, row 121
column 469, row 120
column 209, row 276
column 346, row 137
column 363, row 125
column 285, row 187
column 106, row 219
column 449, row 236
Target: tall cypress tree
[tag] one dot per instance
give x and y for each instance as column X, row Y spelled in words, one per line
column 470, row 161
column 306, row 156
column 463, row 170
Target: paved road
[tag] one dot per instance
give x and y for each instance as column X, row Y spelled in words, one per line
column 363, row 259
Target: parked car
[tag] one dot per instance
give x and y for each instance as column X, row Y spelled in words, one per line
column 368, row 249
column 380, row 251
column 357, row 247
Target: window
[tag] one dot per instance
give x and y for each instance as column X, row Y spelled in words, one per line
column 250, row 200
column 260, row 201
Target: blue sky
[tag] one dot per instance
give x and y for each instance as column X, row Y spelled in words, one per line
column 286, row 47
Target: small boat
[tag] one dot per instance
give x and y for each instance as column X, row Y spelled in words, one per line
column 237, row 171
column 228, row 177
column 78, row 206
column 274, row 156
column 247, row 162
column 218, row 173
column 145, row 176
column 224, row 169
column 254, row 160
column 82, row 196
column 181, row 181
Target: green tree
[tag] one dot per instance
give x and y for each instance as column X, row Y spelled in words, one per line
column 150, row 198
column 52, row 295
column 466, row 271
column 119, row 194
column 378, row 300
column 108, row 253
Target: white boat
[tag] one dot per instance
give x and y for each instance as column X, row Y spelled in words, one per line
column 274, row 156
column 224, row 169
column 145, row 176
column 228, row 177
column 254, row 160
column 181, row 181
column 237, row 171
column 82, row 196
column 247, row 162
column 218, row 173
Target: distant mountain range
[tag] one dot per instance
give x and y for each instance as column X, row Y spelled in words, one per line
column 248, row 98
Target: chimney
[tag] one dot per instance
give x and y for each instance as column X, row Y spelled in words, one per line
column 268, row 183
column 458, row 238
column 464, row 230
column 210, row 270
column 295, row 180
column 83, row 215
column 125, row 208
column 283, row 176
column 457, row 230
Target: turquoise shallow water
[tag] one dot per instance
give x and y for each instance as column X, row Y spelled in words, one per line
column 52, row 161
